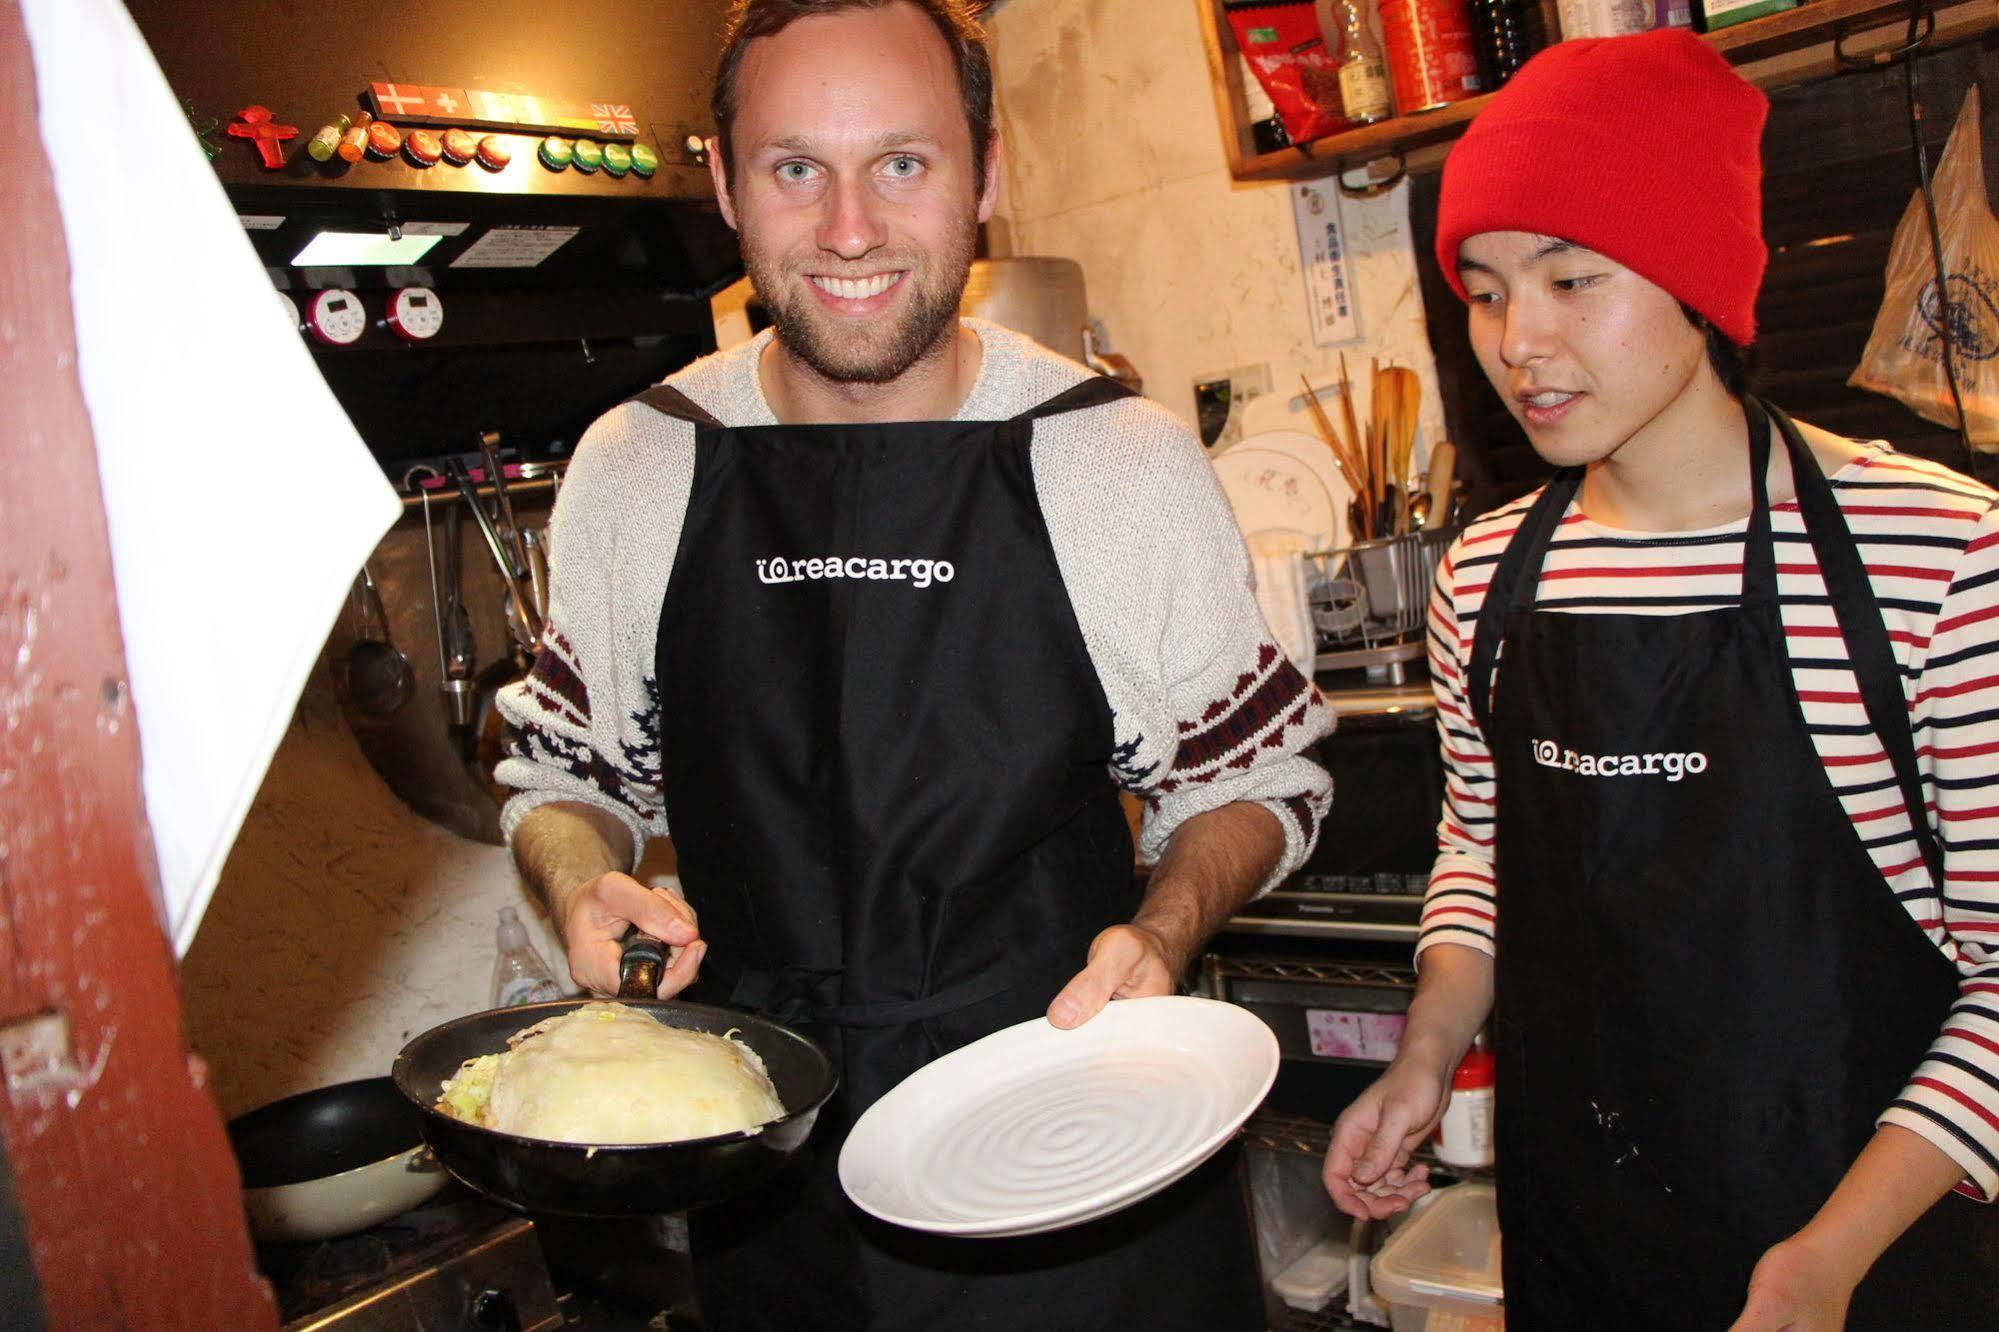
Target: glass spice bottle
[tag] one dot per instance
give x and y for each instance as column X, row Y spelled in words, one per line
column 1364, row 86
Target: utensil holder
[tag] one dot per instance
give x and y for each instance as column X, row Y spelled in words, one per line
column 1369, row 599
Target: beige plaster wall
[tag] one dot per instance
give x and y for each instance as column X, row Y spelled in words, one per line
column 1114, row 159
column 344, row 923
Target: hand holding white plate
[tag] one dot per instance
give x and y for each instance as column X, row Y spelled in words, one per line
column 1032, row 1128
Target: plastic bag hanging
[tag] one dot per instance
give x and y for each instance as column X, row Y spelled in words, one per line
column 1904, row 355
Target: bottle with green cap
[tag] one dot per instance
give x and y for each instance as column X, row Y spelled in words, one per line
column 321, row 146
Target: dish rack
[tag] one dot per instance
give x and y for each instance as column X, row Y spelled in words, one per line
column 1369, row 600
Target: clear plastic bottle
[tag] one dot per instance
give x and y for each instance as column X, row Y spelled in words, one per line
column 520, row 976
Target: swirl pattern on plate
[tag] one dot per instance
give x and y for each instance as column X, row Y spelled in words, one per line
column 1060, row 1134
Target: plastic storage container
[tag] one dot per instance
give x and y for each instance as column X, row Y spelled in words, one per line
column 1440, row 1271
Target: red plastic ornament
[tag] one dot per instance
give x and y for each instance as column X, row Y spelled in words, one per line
column 257, row 124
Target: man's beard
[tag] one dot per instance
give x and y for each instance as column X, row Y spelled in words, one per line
column 861, row 353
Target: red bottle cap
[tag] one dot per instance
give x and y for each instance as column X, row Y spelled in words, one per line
column 459, row 147
column 423, row 147
column 1478, row 1070
column 384, row 139
column 494, row 154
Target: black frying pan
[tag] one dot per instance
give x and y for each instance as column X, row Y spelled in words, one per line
column 536, row 1175
column 332, row 1161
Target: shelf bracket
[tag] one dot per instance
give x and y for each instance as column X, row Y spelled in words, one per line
column 1922, row 23
column 1376, row 183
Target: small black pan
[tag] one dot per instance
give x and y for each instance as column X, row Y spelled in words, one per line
column 332, row 1161
column 570, row 1179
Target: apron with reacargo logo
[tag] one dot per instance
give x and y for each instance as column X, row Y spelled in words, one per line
column 885, row 755
column 1706, row 992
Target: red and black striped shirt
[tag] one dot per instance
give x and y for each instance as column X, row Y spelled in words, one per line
column 1930, row 540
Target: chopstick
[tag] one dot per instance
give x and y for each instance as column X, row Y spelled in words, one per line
column 1375, row 462
column 1342, row 453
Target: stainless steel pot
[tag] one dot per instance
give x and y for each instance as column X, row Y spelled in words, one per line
column 1043, row 298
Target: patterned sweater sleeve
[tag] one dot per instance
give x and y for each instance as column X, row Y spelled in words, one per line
column 1952, row 1100
column 1241, row 715
column 1460, row 906
column 584, row 724
column 1206, row 711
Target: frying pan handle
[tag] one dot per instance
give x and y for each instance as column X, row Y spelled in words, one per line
column 494, row 1308
column 641, row 966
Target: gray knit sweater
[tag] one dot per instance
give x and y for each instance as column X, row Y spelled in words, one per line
column 1207, row 710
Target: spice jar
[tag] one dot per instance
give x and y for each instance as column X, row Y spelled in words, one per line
column 1464, row 1135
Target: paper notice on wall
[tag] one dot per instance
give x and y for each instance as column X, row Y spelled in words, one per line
column 1323, row 259
column 515, row 247
column 1369, row 1036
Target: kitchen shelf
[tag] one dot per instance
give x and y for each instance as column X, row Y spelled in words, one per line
column 1292, row 1134
column 1332, row 1318
column 1324, row 973
column 1777, row 51
column 1295, row 1135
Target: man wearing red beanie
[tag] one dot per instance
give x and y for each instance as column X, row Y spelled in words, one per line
column 1719, row 707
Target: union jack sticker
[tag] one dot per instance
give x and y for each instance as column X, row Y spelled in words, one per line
column 614, row 118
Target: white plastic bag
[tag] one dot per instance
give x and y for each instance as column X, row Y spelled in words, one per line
column 1904, row 356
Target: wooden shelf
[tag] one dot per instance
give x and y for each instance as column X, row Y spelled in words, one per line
column 1778, row 51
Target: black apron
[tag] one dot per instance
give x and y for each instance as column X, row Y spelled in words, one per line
column 886, row 770
column 1706, row 992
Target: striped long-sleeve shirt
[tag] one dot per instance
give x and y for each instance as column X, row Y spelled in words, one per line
column 1930, row 541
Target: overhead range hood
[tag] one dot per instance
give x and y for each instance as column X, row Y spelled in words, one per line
column 495, row 294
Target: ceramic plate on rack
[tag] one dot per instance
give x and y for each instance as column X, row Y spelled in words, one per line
column 1286, row 479
column 1314, row 453
column 1034, row 1128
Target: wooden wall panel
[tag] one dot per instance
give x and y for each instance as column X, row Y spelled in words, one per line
column 120, row 1164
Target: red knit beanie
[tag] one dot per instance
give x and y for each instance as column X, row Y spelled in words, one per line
column 1643, row 148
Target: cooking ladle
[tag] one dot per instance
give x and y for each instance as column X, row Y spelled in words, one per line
column 379, row 679
column 521, row 621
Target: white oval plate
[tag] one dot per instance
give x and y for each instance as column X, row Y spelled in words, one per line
column 1034, row 1128
column 1316, row 454
column 1274, row 488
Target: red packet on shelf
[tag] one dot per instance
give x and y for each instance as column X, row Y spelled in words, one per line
column 1283, row 46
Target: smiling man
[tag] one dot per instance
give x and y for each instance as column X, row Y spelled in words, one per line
column 876, row 613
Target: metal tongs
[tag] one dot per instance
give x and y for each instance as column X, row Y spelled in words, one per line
column 504, row 542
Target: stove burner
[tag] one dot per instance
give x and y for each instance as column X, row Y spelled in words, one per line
column 312, row 1276
column 627, row 1275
